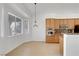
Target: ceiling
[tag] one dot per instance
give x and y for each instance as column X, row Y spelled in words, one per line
column 53, row 8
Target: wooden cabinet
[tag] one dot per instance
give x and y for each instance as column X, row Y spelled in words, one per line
column 56, row 37
column 50, row 39
column 61, row 44
column 48, row 23
column 65, row 21
column 76, row 22
column 52, row 23
column 53, row 39
column 70, row 23
column 56, row 23
column 61, row 22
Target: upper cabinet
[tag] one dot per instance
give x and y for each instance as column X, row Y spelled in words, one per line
column 56, row 23
column 65, row 21
column 52, row 23
column 70, row 23
column 76, row 22
column 61, row 22
column 48, row 22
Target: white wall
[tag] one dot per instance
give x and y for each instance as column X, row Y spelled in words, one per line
column 9, row 43
column 52, row 11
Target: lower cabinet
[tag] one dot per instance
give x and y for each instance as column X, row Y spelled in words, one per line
column 56, row 37
column 53, row 39
column 50, row 39
column 61, row 43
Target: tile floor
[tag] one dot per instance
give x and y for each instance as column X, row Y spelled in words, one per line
column 36, row 49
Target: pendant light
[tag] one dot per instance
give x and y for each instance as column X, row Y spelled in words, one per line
column 35, row 22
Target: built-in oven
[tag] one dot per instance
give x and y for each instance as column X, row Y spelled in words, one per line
column 50, row 31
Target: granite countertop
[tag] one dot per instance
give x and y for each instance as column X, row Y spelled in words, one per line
column 71, row 33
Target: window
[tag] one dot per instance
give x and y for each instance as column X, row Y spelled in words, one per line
column 15, row 24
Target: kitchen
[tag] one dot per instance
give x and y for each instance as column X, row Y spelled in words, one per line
column 56, row 28
column 53, row 29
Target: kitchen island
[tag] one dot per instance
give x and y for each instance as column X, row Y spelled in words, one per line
column 71, row 44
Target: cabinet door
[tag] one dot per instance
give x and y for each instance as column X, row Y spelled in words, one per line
column 65, row 22
column 48, row 23
column 61, row 22
column 56, row 23
column 70, row 23
column 50, row 39
column 52, row 23
column 56, row 37
column 76, row 21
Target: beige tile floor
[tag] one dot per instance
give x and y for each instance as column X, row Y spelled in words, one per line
column 36, row 49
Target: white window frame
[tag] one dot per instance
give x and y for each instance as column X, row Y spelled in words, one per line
column 9, row 13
